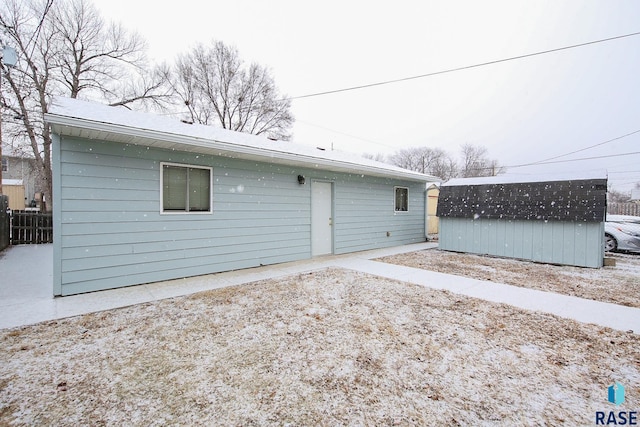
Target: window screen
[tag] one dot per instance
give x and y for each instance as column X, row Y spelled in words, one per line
column 402, row 199
column 186, row 189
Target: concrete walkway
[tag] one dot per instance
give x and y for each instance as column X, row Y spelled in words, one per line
column 25, row 288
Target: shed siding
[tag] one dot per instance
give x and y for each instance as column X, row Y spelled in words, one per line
column 112, row 233
column 557, row 242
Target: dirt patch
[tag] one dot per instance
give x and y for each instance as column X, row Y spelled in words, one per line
column 619, row 284
column 327, row 348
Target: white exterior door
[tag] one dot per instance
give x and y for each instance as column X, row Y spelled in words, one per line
column 321, row 219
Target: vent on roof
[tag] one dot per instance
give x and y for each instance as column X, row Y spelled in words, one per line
column 189, row 122
column 321, row 149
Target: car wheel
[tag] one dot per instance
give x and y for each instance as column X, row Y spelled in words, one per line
column 610, row 243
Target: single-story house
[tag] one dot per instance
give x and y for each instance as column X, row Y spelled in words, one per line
column 556, row 219
column 140, row 198
column 20, row 178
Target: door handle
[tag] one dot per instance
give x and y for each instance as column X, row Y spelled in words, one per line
column 330, row 221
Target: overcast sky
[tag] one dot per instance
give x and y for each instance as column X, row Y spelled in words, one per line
column 523, row 111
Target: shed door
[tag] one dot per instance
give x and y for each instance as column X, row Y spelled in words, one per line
column 321, row 219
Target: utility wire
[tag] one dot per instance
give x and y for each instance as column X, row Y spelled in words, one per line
column 451, row 70
column 572, row 160
column 345, row 134
column 587, row 148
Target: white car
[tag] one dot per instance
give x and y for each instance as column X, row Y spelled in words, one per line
column 622, row 233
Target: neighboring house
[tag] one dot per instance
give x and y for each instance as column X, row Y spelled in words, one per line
column 20, row 176
column 557, row 219
column 140, row 198
column 433, row 191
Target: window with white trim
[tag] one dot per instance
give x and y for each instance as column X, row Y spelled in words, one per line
column 401, row 199
column 5, row 164
column 185, row 188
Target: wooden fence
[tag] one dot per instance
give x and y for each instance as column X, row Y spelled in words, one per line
column 624, row 209
column 31, row 227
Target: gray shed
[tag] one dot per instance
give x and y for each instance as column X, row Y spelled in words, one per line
column 557, row 219
column 140, row 198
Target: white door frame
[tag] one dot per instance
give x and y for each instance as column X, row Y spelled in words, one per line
column 322, row 218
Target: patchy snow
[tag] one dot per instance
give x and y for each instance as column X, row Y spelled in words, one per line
column 619, row 284
column 513, row 178
column 332, row 347
column 94, row 116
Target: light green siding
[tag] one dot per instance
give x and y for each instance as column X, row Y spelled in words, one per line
column 554, row 242
column 365, row 213
column 110, row 232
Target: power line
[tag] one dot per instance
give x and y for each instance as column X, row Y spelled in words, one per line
column 346, row 134
column 451, row 70
column 573, row 160
column 589, row 147
column 638, row 171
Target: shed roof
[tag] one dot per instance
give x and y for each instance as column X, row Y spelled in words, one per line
column 523, row 178
column 83, row 119
column 564, row 197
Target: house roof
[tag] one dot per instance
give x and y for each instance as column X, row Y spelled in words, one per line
column 12, row 181
column 72, row 117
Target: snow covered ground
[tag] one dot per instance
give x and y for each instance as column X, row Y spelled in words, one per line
column 619, row 284
column 330, row 347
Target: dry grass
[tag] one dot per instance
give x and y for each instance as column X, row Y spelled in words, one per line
column 619, row 284
column 327, row 348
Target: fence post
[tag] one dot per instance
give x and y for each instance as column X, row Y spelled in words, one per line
column 4, row 222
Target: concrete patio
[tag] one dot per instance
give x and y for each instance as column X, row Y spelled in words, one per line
column 26, row 288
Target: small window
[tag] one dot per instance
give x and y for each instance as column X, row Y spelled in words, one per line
column 402, row 199
column 5, row 164
column 185, row 188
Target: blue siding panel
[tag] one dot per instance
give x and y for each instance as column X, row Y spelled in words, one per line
column 555, row 242
column 365, row 217
column 111, row 232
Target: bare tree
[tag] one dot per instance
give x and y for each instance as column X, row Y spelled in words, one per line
column 432, row 161
column 476, row 162
column 378, row 157
column 217, row 87
column 614, row 196
column 65, row 48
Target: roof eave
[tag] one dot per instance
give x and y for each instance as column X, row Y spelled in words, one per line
column 212, row 146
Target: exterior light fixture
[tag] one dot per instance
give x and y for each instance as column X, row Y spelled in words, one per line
column 301, row 180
